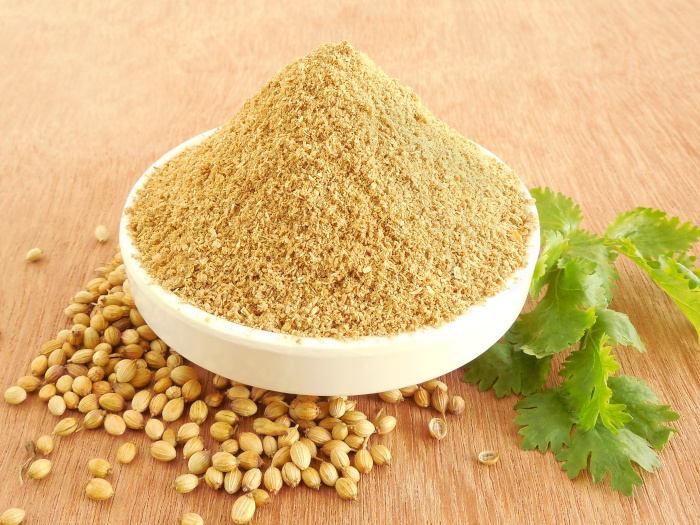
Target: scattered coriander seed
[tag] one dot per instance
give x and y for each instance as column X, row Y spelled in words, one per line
column 381, row 455
column 251, row 480
column 488, row 457
column 15, row 395
column 437, row 428
column 187, row 432
column 126, row 453
column 391, row 396
column 114, row 425
column 351, row 473
column 346, row 489
column 457, row 405
column 291, row 475
column 214, row 478
column 440, row 400
column 34, row 255
column 311, row 478
column 191, row 519
column 66, row 427
column 99, row 489
column 224, row 461
column 164, row 451
column 261, row 497
column 154, row 429
column 39, row 469
column 249, row 460
column 12, row 517
column 301, row 455
column 273, row 480
column 230, row 446
column 232, row 481
column 99, row 467
column 422, row 397
column 193, row 445
column 101, row 233
column 199, row 412
column 44, row 445
column 363, row 461
column 329, row 474
column 169, row 436
column 199, row 462
column 243, row 509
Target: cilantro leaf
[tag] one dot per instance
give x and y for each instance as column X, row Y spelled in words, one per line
column 557, row 212
column 545, row 419
column 557, row 322
column 586, row 390
column 505, row 369
column 553, row 246
column 618, row 328
column 609, row 452
column 584, row 245
column 647, row 416
column 652, row 233
column 681, row 284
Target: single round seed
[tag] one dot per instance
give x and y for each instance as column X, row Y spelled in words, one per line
column 164, row 451
column 94, row 419
column 39, row 469
column 291, row 475
column 57, row 405
column 199, row 412
column 133, row 419
column 328, row 473
column 437, row 428
column 154, row 429
column 301, row 455
column 381, row 455
column 12, row 517
column 101, row 233
column 346, row 489
column 99, row 467
column 221, row 431
column 33, row 255
column 249, row 460
column 273, row 480
column 182, row 374
column 386, row 424
column 66, row 427
column 191, row 519
column 173, row 409
column 185, row 483
column 251, row 480
column 311, row 478
column 15, row 395
column 488, row 457
column 199, row 462
column 214, row 478
column 232, row 481
column 187, row 432
column 126, row 453
column 230, row 446
column 224, row 461
column 243, row 509
column 261, row 497
column 363, row 461
column 391, row 396
column 193, row 445
column 269, row 446
column 44, row 445
column 422, row 397
column 244, row 407
column 440, row 399
column 99, row 489
column 169, row 436
column 250, row 441
column 114, row 425
column 457, row 405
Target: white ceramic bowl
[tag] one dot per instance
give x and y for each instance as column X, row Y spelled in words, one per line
column 319, row 366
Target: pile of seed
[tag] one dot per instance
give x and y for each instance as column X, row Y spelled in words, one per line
column 333, row 204
column 111, row 368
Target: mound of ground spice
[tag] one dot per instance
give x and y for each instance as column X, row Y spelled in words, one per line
column 333, row 204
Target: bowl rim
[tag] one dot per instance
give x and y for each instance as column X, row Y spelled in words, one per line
column 286, row 343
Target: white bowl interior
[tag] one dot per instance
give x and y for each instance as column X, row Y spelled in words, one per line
column 319, row 366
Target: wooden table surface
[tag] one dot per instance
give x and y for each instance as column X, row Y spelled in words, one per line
column 597, row 99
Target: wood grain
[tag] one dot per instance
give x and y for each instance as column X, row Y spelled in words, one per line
column 596, row 99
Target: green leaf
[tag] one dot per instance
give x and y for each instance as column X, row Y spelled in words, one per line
column 557, row 211
column 545, row 419
column 681, row 284
column 554, row 245
column 652, row 233
column 613, row 453
column 591, row 247
column 505, row 370
column 586, row 390
column 618, row 327
column 647, row 416
column 557, row 322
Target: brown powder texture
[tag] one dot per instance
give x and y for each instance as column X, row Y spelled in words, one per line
column 333, row 204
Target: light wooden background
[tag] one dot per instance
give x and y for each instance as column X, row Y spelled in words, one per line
column 596, row 99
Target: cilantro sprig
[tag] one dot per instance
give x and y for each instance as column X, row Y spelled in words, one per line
column 595, row 419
